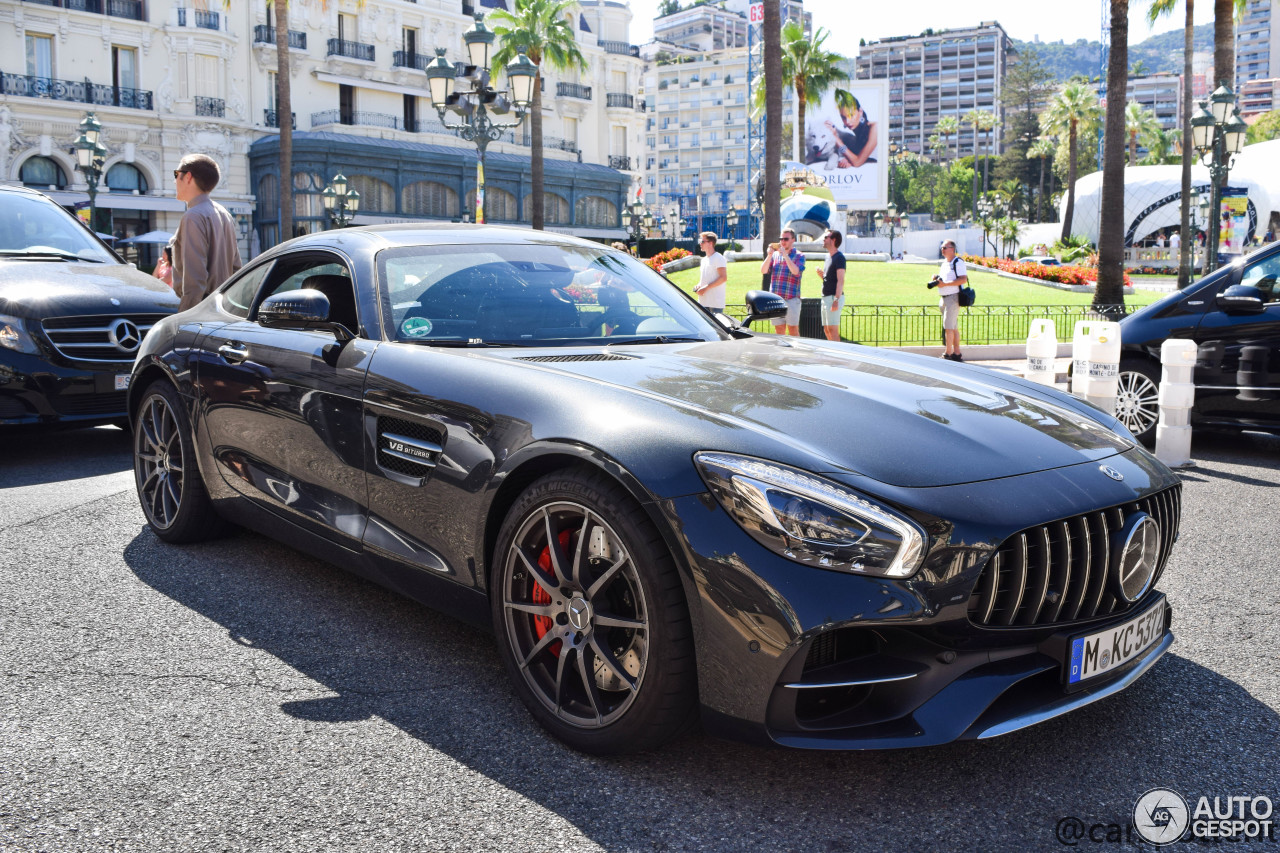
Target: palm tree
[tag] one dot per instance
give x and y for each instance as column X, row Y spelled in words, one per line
column 1042, row 149
column 1139, row 69
column 1110, row 290
column 772, row 224
column 542, row 29
column 1160, row 144
column 947, row 127
column 810, row 70
column 978, row 120
column 1072, row 111
column 1138, row 122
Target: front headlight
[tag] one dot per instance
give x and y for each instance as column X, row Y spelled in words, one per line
column 810, row 520
column 13, row 335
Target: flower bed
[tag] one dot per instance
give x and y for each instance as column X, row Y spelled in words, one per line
column 1061, row 274
column 666, row 257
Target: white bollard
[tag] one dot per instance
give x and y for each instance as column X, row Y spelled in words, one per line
column 1080, row 358
column 1104, row 364
column 1042, row 350
column 1177, row 395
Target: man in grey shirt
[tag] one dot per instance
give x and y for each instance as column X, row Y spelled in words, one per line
column 205, row 253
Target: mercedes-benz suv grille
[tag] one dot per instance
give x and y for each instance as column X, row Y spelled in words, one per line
column 99, row 338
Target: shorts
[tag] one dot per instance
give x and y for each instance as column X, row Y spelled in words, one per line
column 950, row 308
column 830, row 311
column 793, row 313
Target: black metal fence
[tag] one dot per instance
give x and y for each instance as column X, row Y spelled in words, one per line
column 921, row 325
column 79, row 91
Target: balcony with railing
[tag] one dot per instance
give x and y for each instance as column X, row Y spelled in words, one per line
column 573, row 90
column 358, row 117
column 131, row 9
column 405, row 59
column 215, row 107
column 77, row 91
column 263, row 34
column 620, row 162
column 271, row 119
column 621, row 48
column 350, row 49
column 201, row 18
column 619, row 99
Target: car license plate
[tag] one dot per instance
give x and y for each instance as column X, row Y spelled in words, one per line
column 122, row 381
column 1097, row 654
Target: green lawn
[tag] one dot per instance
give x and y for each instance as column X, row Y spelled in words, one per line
column 869, row 283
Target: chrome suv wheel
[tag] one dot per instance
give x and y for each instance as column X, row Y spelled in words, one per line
column 1138, row 399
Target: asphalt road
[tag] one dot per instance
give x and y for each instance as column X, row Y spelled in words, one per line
column 240, row 696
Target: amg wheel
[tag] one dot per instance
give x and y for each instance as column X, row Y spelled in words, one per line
column 591, row 616
column 164, row 467
column 1138, row 399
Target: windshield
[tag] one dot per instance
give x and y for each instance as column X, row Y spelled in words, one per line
column 34, row 226
column 535, row 295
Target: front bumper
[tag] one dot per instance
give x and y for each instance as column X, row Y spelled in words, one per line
column 906, row 665
column 37, row 391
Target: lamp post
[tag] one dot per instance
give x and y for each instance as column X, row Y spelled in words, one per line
column 891, row 224
column 90, row 157
column 637, row 220
column 1217, row 134
column 473, row 106
column 731, row 224
column 339, row 202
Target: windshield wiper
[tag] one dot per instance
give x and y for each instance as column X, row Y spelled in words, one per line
column 656, row 339
column 46, row 253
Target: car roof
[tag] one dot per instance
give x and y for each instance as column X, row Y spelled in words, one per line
column 18, row 188
column 376, row 237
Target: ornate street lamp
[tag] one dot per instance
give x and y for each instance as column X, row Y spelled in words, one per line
column 891, row 224
column 731, row 223
column 339, row 202
column 637, row 221
column 90, row 157
column 1217, row 133
column 474, row 105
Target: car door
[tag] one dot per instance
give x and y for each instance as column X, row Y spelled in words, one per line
column 1238, row 368
column 283, row 407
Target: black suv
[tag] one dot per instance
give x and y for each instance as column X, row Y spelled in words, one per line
column 72, row 315
column 1233, row 315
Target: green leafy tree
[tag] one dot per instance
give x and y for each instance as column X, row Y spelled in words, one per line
column 668, row 7
column 1265, row 128
column 541, row 28
column 947, row 127
column 1139, row 123
column 810, row 70
column 1072, row 112
column 1160, row 145
column 980, row 121
column 1042, row 150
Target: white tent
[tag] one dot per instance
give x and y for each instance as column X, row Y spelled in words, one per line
column 1153, row 193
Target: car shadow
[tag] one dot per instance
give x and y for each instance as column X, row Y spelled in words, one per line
column 443, row 683
column 33, row 458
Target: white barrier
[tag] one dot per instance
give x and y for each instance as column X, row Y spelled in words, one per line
column 1080, row 358
column 1095, row 356
column 1177, row 395
column 1042, row 352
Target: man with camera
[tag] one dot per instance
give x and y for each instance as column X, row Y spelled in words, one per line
column 950, row 278
column 784, row 264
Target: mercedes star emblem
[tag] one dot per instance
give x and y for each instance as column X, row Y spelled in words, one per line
column 1137, row 555
column 125, row 335
column 1111, row 472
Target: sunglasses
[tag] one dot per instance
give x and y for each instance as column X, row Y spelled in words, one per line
column 177, row 172
column 786, row 239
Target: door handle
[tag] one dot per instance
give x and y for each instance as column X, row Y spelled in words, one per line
column 233, row 353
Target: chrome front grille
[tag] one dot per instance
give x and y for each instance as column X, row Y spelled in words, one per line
column 100, row 338
column 1058, row 572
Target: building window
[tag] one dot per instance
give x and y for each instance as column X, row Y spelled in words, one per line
column 347, row 28
column 499, row 205
column 126, row 178
column 124, row 67
column 428, row 198
column 594, row 211
column 555, row 209
column 40, row 56
column 42, row 172
column 375, row 196
column 409, row 43
column 268, row 199
column 271, row 90
column 411, row 113
column 346, row 104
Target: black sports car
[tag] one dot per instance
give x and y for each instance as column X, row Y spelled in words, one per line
column 662, row 515
column 72, row 314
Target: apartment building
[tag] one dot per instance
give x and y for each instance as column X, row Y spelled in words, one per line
column 1258, row 50
column 166, row 79
column 1161, row 94
column 946, row 73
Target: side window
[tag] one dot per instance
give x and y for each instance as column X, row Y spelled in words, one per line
column 1263, row 275
column 318, row 272
column 238, row 294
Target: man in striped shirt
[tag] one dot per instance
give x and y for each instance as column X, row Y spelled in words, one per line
column 785, row 266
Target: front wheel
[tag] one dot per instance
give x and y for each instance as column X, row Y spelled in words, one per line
column 1138, row 398
column 170, row 490
column 591, row 617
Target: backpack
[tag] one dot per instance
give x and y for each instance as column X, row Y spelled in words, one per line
column 967, row 294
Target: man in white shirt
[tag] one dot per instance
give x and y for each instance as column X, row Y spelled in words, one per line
column 950, row 278
column 1175, row 240
column 715, row 273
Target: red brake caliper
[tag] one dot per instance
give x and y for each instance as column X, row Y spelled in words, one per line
column 543, row 624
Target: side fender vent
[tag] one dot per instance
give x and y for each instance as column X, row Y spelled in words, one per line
column 407, row 447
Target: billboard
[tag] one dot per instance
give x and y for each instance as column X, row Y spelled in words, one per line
column 846, row 142
column 1233, row 228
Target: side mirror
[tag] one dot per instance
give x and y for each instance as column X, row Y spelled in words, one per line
column 1241, row 299
column 300, row 309
column 763, row 305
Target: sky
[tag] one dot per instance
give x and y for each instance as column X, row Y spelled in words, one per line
column 1021, row 19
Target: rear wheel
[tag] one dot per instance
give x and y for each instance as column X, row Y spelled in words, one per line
column 1138, row 398
column 591, row 617
column 170, row 490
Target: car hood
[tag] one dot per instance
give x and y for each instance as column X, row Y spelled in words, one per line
column 901, row 419
column 38, row 289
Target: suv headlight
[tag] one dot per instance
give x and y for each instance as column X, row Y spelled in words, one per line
column 811, row 520
column 14, row 335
